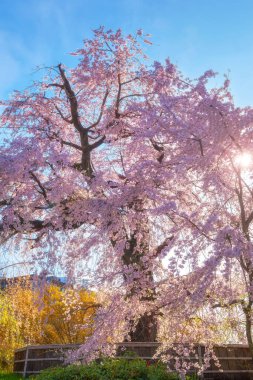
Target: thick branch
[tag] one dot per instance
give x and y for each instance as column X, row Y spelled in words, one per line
column 55, row 85
column 164, row 244
column 199, row 229
column 5, row 202
column 97, row 143
column 117, row 113
column 42, row 188
column 227, row 305
column 249, row 219
column 72, row 100
column 132, row 95
column 69, row 121
column 199, row 140
column 78, row 147
column 37, row 225
column 159, row 149
column 14, row 264
column 101, row 111
column 242, row 209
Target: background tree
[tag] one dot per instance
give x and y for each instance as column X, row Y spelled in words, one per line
column 29, row 315
column 66, row 315
column 20, row 322
column 9, row 333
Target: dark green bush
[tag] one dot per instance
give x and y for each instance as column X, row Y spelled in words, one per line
column 110, row 369
column 9, row 376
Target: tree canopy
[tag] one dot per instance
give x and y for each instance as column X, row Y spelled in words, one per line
column 143, row 174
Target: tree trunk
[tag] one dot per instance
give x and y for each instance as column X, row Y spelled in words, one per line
column 146, row 328
column 247, row 311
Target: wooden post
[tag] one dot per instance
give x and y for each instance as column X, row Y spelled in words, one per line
column 200, row 360
column 25, row 365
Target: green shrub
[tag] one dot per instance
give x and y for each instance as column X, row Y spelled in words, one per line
column 9, row 376
column 110, row 369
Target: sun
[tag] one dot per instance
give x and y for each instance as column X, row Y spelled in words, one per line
column 243, row 159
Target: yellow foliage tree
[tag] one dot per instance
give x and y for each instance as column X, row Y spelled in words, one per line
column 9, row 337
column 31, row 316
column 67, row 315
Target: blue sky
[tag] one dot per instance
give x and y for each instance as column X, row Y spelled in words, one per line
column 195, row 34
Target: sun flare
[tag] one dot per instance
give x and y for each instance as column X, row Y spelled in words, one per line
column 243, row 159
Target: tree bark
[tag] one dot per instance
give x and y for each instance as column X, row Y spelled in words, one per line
column 146, row 327
column 247, row 312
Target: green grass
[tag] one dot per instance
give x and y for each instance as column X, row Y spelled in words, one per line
column 9, row 376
